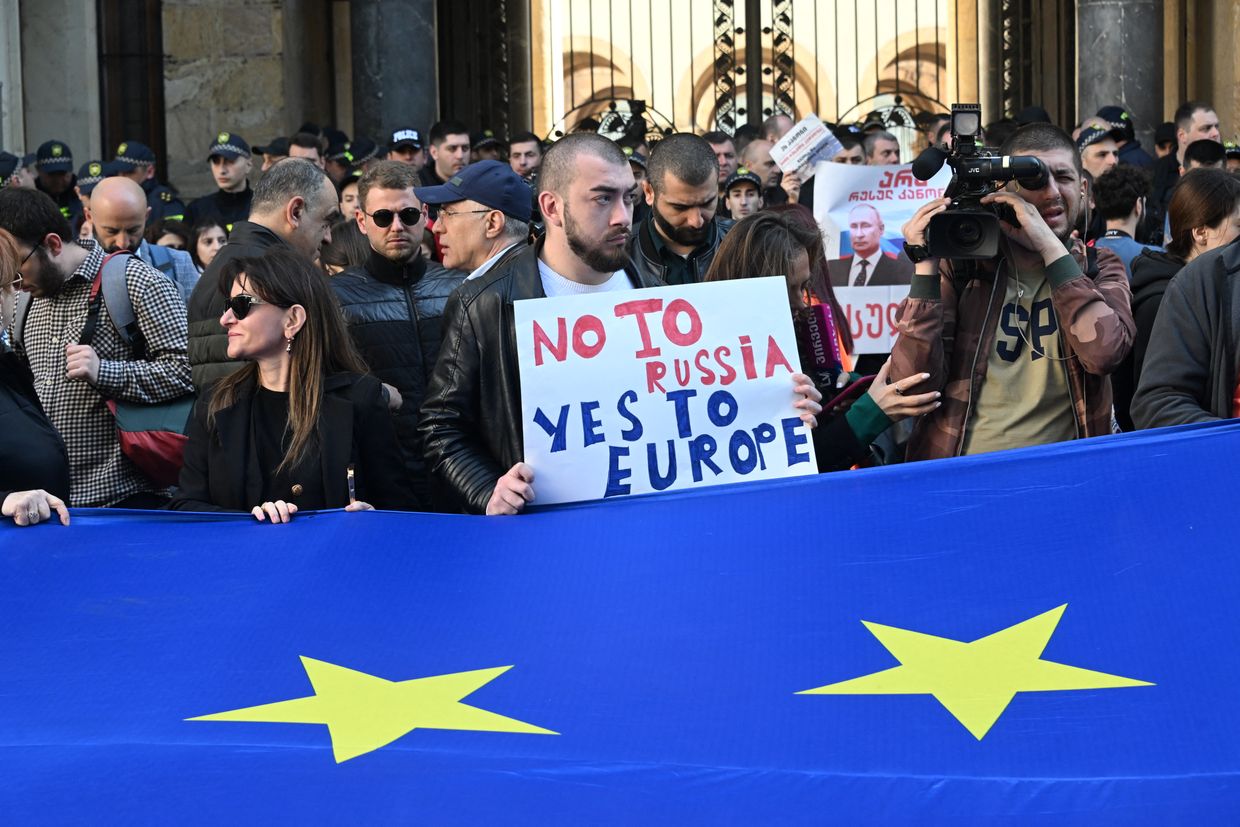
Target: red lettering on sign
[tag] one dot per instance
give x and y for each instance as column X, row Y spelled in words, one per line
column 671, row 329
column 558, row 348
column 584, row 325
column 639, row 309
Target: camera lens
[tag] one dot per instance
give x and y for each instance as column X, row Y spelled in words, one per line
column 966, row 233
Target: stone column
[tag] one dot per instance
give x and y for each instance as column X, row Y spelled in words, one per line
column 395, row 82
column 1120, row 60
column 59, row 74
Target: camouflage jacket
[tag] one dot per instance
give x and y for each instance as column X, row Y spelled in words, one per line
column 950, row 336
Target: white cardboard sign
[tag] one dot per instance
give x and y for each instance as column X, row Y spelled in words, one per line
column 660, row 389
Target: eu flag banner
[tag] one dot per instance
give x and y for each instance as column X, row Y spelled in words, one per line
column 1037, row 636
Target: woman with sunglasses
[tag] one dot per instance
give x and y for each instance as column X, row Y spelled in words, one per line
column 768, row 244
column 300, row 426
column 34, row 468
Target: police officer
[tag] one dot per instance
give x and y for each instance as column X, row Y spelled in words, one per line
column 54, row 164
column 136, row 161
column 229, row 155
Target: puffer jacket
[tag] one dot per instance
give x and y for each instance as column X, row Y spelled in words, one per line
column 949, row 336
column 395, row 315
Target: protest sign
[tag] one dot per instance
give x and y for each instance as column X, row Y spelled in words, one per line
column 872, row 314
column 660, row 389
column 804, row 146
column 861, row 210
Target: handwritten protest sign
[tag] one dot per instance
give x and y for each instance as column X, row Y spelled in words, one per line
column 660, row 389
column 861, row 210
column 872, row 315
column 804, row 146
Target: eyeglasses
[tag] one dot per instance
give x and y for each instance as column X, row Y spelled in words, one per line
column 241, row 303
column 450, row 213
column 28, row 255
column 383, row 218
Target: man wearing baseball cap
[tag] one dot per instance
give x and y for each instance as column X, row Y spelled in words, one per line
column 54, row 165
column 742, row 193
column 1130, row 151
column 136, row 161
column 1099, row 150
column 9, row 166
column 229, row 156
column 406, row 146
column 484, row 215
column 393, row 305
column 91, row 173
column 275, row 150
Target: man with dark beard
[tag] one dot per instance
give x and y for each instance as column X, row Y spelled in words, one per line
column 677, row 243
column 471, row 419
column 119, row 210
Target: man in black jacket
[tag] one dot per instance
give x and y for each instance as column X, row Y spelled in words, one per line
column 677, row 243
column 471, row 419
column 230, row 159
column 394, row 304
column 294, row 206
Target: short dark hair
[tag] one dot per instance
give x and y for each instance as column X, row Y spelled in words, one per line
column 559, row 164
column 386, row 175
column 1184, row 113
column 1205, row 153
column 306, row 140
column 526, row 138
column 770, row 124
column 1040, row 137
column 1116, row 192
column 1203, row 198
column 287, row 179
column 442, row 129
column 686, row 156
column 348, row 247
column 999, row 131
column 30, row 215
column 717, row 137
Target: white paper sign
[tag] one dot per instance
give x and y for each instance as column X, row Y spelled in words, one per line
column 806, row 144
column 861, row 211
column 872, row 315
column 660, row 389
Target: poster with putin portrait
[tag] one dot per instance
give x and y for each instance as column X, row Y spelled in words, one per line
column 861, row 210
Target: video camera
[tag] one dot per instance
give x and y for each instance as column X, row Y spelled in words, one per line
column 969, row 229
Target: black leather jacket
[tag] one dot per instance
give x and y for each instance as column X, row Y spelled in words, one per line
column 647, row 260
column 395, row 315
column 471, row 419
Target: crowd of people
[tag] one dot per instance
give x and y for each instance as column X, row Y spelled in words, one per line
column 338, row 314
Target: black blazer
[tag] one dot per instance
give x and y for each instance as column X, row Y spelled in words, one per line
column 32, row 454
column 221, row 470
column 471, row 419
column 890, row 269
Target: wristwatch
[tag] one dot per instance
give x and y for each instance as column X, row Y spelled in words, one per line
column 916, row 252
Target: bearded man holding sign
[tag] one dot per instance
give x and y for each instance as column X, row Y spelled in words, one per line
column 471, row 420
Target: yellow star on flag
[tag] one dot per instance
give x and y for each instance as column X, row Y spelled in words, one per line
column 974, row 681
column 364, row 712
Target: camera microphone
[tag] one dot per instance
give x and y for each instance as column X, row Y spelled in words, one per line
column 928, row 163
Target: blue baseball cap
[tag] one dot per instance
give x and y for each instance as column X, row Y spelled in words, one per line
column 491, row 183
column 92, row 172
column 54, row 156
column 229, row 145
column 133, row 154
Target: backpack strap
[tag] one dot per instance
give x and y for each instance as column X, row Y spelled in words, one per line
column 110, row 289
column 1091, row 262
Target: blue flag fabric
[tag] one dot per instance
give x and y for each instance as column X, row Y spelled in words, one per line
column 665, row 641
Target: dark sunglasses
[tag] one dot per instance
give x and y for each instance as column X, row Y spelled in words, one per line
column 241, row 303
column 383, row 218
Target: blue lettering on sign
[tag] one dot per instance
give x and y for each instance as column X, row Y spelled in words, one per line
column 1040, row 328
column 590, row 424
column 558, row 431
column 681, row 400
column 633, row 433
column 661, row 482
column 794, row 440
column 616, row 476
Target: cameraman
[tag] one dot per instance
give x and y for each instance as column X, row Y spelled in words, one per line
column 1022, row 345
